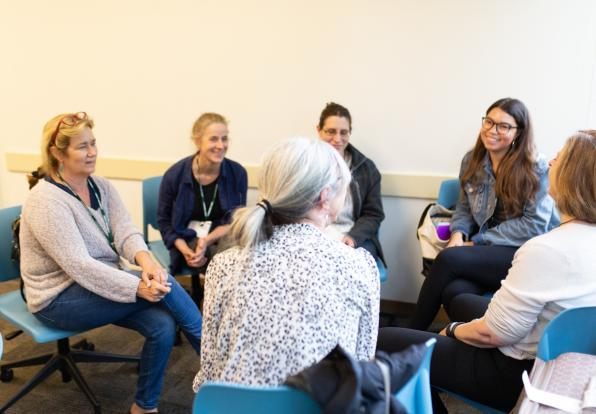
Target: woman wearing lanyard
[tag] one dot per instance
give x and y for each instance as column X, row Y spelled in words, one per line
column 74, row 230
column 197, row 197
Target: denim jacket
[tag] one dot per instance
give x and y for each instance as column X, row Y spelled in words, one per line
column 177, row 200
column 477, row 203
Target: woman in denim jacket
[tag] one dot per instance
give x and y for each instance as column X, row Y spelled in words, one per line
column 503, row 202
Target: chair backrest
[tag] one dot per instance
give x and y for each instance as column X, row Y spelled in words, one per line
column 449, row 193
column 215, row 398
column 8, row 269
column 150, row 201
column 415, row 395
column 570, row 331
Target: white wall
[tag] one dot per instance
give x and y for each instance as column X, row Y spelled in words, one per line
column 417, row 77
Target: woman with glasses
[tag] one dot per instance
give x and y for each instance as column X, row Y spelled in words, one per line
column 358, row 223
column 484, row 359
column 74, row 232
column 284, row 295
column 197, row 197
column 503, row 202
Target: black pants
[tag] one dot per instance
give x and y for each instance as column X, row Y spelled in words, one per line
column 484, row 375
column 458, row 270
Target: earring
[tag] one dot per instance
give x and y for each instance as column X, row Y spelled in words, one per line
column 60, row 167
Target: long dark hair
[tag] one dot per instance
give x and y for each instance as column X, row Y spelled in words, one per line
column 517, row 182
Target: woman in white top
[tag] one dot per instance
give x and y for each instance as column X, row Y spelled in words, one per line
column 484, row 359
column 285, row 294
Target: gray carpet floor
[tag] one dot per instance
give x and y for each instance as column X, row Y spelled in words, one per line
column 113, row 384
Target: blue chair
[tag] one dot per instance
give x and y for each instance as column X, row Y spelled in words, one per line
column 449, row 193
column 218, row 397
column 150, row 202
column 14, row 310
column 382, row 271
column 415, row 395
column 569, row 331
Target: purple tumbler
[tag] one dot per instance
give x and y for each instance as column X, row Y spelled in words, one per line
column 443, row 231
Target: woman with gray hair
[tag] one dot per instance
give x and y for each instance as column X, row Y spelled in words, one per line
column 284, row 295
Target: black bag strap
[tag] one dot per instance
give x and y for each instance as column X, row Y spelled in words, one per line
column 422, row 217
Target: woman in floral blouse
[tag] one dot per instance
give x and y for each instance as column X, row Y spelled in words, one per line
column 285, row 294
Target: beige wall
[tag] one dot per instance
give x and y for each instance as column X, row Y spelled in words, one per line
column 417, row 77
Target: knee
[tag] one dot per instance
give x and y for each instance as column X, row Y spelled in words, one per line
column 162, row 330
column 446, row 260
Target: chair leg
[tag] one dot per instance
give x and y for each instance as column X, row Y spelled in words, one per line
column 29, row 362
column 76, row 374
column 88, row 356
column 53, row 365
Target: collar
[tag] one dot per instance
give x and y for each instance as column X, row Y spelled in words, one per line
column 188, row 178
column 358, row 158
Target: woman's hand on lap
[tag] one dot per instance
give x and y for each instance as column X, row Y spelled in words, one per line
column 154, row 292
column 348, row 241
column 456, row 240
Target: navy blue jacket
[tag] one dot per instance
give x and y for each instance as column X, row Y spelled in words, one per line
column 177, row 202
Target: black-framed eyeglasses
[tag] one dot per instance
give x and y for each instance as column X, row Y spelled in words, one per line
column 331, row 132
column 68, row 120
column 502, row 127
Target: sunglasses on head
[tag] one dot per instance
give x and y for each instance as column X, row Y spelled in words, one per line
column 69, row 120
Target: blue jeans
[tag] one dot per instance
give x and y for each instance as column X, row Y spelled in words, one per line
column 78, row 309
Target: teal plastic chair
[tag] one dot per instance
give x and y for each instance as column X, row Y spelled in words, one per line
column 449, row 193
column 14, row 310
column 569, row 331
column 219, row 398
column 415, row 395
column 150, row 202
column 382, row 271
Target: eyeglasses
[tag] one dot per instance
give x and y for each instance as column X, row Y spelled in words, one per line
column 68, row 120
column 502, row 127
column 331, row 132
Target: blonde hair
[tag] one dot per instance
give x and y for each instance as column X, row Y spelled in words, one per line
column 293, row 174
column 63, row 133
column 204, row 121
column 574, row 180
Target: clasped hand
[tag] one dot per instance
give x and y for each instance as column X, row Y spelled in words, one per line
column 154, row 283
column 196, row 257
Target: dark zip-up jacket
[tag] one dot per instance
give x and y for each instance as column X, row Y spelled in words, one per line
column 366, row 197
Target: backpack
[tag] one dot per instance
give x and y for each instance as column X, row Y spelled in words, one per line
column 15, row 250
column 433, row 217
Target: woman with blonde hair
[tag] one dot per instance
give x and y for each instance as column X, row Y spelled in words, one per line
column 197, row 197
column 74, row 231
column 285, row 294
column 484, row 359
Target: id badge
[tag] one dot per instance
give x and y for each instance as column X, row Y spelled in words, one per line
column 200, row 227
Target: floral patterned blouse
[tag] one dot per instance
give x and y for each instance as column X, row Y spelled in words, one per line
column 272, row 311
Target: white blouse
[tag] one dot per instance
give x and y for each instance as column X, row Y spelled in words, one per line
column 272, row 311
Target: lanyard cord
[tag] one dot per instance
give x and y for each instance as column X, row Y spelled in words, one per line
column 207, row 211
column 108, row 234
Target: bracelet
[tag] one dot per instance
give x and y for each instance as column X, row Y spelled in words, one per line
column 450, row 329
